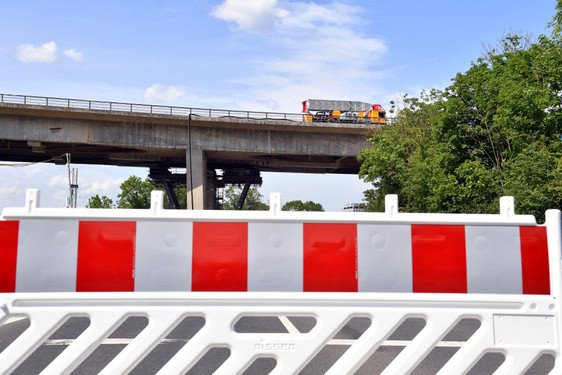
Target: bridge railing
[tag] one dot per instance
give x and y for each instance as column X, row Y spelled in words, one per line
column 152, row 109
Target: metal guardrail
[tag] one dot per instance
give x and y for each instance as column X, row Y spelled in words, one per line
column 145, row 108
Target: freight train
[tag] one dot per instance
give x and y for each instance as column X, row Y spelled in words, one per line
column 343, row 111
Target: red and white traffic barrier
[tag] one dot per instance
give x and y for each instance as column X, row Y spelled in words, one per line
column 82, row 250
column 502, row 272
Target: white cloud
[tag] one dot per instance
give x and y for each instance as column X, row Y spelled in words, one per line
column 46, row 53
column 161, row 93
column 74, row 55
column 58, row 180
column 108, row 185
column 60, row 196
column 7, row 192
column 310, row 15
column 321, row 51
column 49, row 178
column 260, row 14
column 52, row 181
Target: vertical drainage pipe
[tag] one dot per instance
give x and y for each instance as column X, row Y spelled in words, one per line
column 190, row 162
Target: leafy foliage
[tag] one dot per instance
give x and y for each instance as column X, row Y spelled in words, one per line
column 496, row 130
column 135, row 193
column 298, row 205
column 97, row 202
column 253, row 199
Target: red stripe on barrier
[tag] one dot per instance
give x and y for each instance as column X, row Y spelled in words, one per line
column 8, row 255
column 330, row 257
column 534, row 260
column 220, row 257
column 439, row 259
column 106, row 256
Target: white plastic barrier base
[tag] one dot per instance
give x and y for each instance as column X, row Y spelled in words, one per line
column 522, row 329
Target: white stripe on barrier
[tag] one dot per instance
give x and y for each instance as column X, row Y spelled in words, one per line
column 493, row 259
column 384, row 257
column 163, row 256
column 275, row 253
column 47, row 256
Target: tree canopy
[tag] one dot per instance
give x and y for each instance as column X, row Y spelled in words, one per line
column 135, row 193
column 298, row 205
column 100, row 202
column 253, row 199
column 496, row 130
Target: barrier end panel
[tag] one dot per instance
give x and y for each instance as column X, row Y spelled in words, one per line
column 534, row 260
column 8, row 255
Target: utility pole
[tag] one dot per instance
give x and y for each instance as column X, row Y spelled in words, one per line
column 72, row 184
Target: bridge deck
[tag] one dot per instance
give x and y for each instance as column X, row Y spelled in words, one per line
column 202, row 141
column 45, row 128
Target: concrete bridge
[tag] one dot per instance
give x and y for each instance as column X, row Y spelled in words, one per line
column 241, row 144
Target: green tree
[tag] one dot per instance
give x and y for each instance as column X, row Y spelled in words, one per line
column 181, row 195
column 135, row 193
column 534, row 178
column 97, row 202
column 253, row 199
column 403, row 157
column 298, row 205
column 496, row 130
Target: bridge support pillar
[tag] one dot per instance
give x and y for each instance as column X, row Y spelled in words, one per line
column 211, row 202
column 196, row 165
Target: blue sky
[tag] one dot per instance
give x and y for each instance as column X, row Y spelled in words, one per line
column 239, row 54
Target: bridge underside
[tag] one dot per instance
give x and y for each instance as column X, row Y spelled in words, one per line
column 34, row 151
column 222, row 167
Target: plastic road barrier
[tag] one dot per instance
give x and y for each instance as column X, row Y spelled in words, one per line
column 500, row 274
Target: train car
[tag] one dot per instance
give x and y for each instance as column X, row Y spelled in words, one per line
column 343, row 111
